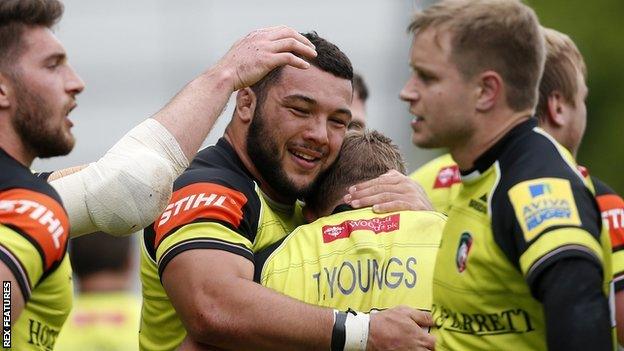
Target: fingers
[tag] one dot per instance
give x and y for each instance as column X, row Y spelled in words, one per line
column 394, row 206
column 293, row 45
column 422, row 318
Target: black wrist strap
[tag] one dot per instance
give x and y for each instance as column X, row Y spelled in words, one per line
column 339, row 332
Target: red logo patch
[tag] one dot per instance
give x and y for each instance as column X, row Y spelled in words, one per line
column 447, row 176
column 376, row 225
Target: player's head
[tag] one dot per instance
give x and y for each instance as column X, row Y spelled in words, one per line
column 101, row 254
column 297, row 119
column 471, row 58
column 364, row 155
column 37, row 85
column 561, row 108
column 358, row 106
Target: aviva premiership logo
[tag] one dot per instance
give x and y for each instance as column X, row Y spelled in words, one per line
column 461, row 257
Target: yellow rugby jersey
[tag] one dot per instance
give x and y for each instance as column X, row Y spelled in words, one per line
column 215, row 204
column 102, row 321
column 441, row 181
column 357, row 259
column 33, row 244
column 523, row 207
column 440, row 178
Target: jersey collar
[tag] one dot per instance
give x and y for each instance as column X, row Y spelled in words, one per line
column 487, row 159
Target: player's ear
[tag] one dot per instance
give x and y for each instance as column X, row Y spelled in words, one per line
column 245, row 104
column 5, row 91
column 490, row 89
column 555, row 110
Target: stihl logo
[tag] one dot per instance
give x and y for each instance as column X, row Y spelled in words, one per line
column 447, row 176
column 614, row 218
column 36, row 212
column 376, row 225
column 190, row 202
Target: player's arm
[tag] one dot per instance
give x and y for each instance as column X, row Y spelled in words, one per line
column 561, row 256
column 127, row 188
column 575, row 308
column 221, row 306
column 392, row 191
column 17, row 299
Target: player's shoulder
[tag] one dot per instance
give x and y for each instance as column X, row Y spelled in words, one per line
column 31, row 209
column 537, row 157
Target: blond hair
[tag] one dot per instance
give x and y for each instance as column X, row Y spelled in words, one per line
column 499, row 35
column 563, row 64
column 364, row 155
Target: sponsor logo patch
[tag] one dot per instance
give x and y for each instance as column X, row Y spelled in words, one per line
column 376, row 225
column 201, row 201
column 447, row 176
column 463, row 249
column 542, row 203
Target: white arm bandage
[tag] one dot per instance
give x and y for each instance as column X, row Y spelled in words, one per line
column 128, row 187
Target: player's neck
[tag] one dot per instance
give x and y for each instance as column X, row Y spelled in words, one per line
column 12, row 144
column 493, row 129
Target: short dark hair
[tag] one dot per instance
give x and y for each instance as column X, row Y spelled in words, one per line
column 364, row 155
column 15, row 17
column 99, row 252
column 329, row 58
column 359, row 86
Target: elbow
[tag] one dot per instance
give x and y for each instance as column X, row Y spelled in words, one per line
column 209, row 325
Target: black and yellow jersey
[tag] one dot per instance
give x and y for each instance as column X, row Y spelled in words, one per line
column 522, row 208
column 33, row 244
column 357, row 259
column 441, row 181
column 216, row 204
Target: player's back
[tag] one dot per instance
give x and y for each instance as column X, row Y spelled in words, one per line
column 357, row 259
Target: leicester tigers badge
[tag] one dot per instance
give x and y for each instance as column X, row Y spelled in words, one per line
column 465, row 243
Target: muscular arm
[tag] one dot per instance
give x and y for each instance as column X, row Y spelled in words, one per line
column 576, row 309
column 221, row 306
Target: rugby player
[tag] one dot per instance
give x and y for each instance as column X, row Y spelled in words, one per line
column 37, row 90
column 238, row 197
column 354, row 258
column 523, row 261
column 561, row 113
column 106, row 304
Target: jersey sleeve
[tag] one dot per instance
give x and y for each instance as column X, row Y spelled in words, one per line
column 612, row 209
column 33, row 235
column 550, row 218
column 208, row 213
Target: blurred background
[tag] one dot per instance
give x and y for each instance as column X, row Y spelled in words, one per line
column 135, row 55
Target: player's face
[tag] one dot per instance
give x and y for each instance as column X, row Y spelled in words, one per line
column 45, row 88
column 358, row 111
column 440, row 99
column 297, row 132
column 577, row 118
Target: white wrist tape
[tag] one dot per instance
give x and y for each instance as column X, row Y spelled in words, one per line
column 128, row 187
column 356, row 331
